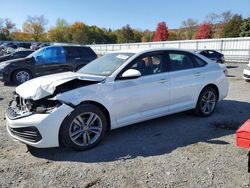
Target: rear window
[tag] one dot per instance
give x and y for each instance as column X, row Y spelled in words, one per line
column 79, row 52
column 72, row 52
column 86, row 51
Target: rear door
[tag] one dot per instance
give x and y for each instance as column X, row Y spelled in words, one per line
column 186, row 73
column 86, row 55
column 79, row 56
column 73, row 56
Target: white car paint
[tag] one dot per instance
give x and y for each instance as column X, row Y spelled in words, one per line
column 246, row 72
column 127, row 101
column 43, row 86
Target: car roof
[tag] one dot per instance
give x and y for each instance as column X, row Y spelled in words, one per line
column 143, row 50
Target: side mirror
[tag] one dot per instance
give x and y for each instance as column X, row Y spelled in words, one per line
column 131, row 74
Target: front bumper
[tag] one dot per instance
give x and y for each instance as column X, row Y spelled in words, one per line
column 246, row 74
column 38, row 130
column 1, row 74
column 5, row 76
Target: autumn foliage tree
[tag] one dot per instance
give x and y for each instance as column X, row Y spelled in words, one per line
column 79, row 33
column 59, row 33
column 245, row 28
column 204, row 31
column 161, row 33
column 125, row 34
column 232, row 27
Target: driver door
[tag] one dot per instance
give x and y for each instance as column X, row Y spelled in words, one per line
column 53, row 61
column 145, row 97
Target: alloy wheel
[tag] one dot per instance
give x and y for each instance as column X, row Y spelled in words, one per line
column 22, row 76
column 208, row 102
column 85, row 129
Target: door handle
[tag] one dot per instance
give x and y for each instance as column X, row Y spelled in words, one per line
column 162, row 81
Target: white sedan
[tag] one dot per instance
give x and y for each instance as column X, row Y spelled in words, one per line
column 246, row 72
column 76, row 109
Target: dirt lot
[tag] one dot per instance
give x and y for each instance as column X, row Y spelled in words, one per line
column 175, row 151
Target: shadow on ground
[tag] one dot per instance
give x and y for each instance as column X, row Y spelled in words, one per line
column 158, row 136
column 232, row 66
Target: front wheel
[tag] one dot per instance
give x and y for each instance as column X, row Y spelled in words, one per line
column 207, row 102
column 84, row 128
column 21, row 76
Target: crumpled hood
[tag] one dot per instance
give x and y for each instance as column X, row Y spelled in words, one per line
column 44, row 86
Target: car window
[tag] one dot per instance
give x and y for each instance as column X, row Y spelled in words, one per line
column 86, row 52
column 17, row 54
column 21, row 54
column 199, row 62
column 106, row 65
column 211, row 53
column 54, row 55
column 72, row 53
column 148, row 65
column 26, row 53
column 38, row 56
column 204, row 53
column 180, row 61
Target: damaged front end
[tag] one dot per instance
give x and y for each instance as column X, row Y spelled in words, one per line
column 20, row 107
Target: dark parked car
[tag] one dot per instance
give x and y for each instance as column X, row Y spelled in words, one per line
column 213, row 55
column 24, row 45
column 16, row 55
column 36, row 46
column 10, row 45
column 47, row 60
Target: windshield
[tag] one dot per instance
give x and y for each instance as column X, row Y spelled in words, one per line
column 36, row 53
column 106, row 65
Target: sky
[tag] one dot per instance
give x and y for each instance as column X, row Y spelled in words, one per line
column 114, row 14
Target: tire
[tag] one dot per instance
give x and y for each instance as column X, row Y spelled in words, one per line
column 207, row 102
column 84, row 128
column 20, row 76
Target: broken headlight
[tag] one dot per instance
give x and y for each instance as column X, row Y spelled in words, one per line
column 46, row 106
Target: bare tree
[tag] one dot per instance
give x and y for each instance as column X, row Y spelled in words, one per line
column 189, row 26
column 35, row 25
column 226, row 16
column 6, row 26
column 213, row 18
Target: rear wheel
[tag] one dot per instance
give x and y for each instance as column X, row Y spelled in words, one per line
column 21, row 76
column 207, row 102
column 84, row 128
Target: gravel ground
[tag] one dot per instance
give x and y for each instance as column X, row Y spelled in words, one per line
column 180, row 150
